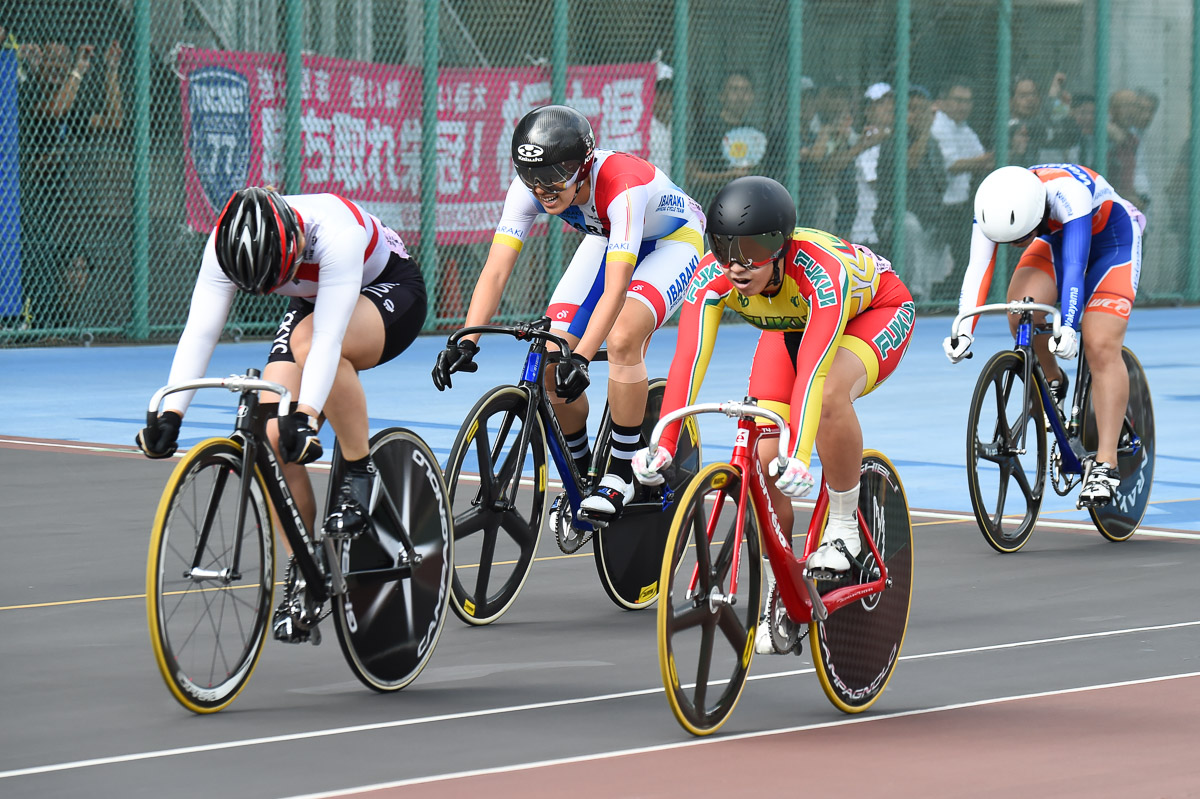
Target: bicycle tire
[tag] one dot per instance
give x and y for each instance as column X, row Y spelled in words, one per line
column 1119, row 520
column 856, row 649
column 716, row 668
column 495, row 540
column 993, row 426
column 391, row 615
column 628, row 552
column 208, row 634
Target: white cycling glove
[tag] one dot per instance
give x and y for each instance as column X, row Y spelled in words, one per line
column 1066, row 346
column 646, row 467
column 956, row 348
column 796, row 481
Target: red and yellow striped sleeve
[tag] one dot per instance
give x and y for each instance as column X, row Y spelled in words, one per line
column 698, row 322
column 826, row 283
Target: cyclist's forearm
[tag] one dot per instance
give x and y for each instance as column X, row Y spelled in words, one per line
column 485, row 299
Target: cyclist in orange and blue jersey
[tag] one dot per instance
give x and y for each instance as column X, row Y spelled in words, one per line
column 1082, row 247
column 836, row 321
column 643, row 241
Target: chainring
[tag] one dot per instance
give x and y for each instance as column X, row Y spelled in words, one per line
column 568, row 537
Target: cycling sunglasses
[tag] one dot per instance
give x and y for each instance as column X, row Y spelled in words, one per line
column 552, row 178
column 749, row 252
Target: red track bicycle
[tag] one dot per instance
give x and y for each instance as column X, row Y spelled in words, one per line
column 711, row 581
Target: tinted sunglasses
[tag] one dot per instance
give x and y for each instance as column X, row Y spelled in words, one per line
column 749, row 252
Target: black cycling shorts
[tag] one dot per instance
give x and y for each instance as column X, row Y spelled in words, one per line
column 398, row 293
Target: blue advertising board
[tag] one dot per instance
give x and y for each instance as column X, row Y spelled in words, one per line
column 10, row 193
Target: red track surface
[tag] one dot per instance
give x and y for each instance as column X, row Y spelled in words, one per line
column 1126, row 741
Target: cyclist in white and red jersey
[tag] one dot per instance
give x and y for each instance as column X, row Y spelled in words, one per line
column 1082, row 247
column 357, row 301
column 836, row 321
column 644, row 240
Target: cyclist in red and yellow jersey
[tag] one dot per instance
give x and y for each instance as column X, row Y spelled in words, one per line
column 836, row 321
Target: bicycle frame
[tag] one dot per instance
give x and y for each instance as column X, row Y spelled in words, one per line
column 532, row 383
column 1067, row 429
column 797, row 585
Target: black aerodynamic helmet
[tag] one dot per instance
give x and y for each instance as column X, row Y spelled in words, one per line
column 750, row 221
column 551, row 145
column 257, row 240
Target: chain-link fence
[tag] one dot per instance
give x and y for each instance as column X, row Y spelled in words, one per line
column 125, row 124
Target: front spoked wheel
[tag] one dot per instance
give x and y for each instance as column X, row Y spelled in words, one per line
column 857, row 647
column 705, row 632
column 1006, row 453
column 1119, row 519
column 209, row 586
column 496, row 476
column 629, row 551
column 397, row 575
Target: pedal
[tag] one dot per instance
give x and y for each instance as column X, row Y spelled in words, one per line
column 286, row 628
column 827, row 575
column 600, row 522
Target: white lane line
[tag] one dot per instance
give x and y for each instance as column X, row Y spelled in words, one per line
column 723, row 739
column 387, row 725
column 556, row 485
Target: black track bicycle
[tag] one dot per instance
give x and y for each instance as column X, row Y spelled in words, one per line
column 1012, row 409
column 211, row 572
column 497, row 475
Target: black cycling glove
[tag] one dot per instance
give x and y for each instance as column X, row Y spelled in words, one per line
column 571, row 377
column 160, row 440
column 455, row 358
column 298, row 440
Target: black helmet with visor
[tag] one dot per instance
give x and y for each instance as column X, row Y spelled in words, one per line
column 750, row 221
column 552, row 146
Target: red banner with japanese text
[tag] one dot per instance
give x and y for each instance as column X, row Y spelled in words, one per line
column 360, row 131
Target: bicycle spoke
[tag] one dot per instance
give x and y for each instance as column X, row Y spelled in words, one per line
column 688, row 615
column 470, row 522
column 704, row 665
column 731, row 626
column 487, row 555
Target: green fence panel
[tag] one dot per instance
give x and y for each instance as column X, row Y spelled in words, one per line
column 125, row 124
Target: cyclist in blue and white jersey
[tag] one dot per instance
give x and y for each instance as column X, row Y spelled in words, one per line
column 644, row 238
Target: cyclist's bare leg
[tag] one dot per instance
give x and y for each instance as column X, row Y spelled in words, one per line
column 288, row 375
column 768, row 450
column 346, row 407
column 839, row 434
column 1029, row 282
column 571, row 416
column 1103, row 335
column 626, row 344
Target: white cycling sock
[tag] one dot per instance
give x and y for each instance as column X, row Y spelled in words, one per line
column 843, row 509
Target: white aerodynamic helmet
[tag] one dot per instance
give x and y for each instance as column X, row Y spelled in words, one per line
column 1010, row 204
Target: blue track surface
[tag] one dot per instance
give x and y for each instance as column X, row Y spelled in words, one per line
column 918, row 417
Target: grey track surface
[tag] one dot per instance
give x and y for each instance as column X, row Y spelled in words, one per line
column 565, row 674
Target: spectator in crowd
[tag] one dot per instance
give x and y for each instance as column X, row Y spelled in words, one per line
column 878, row 116
column 827, row 158
column 730, row 145
column 1076, row 134
column 965, row 159
column 661, row 117
column 1026, row 131
column 925, row 259
column 1144, row 110
column 68, row 109
column 1125, row 111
